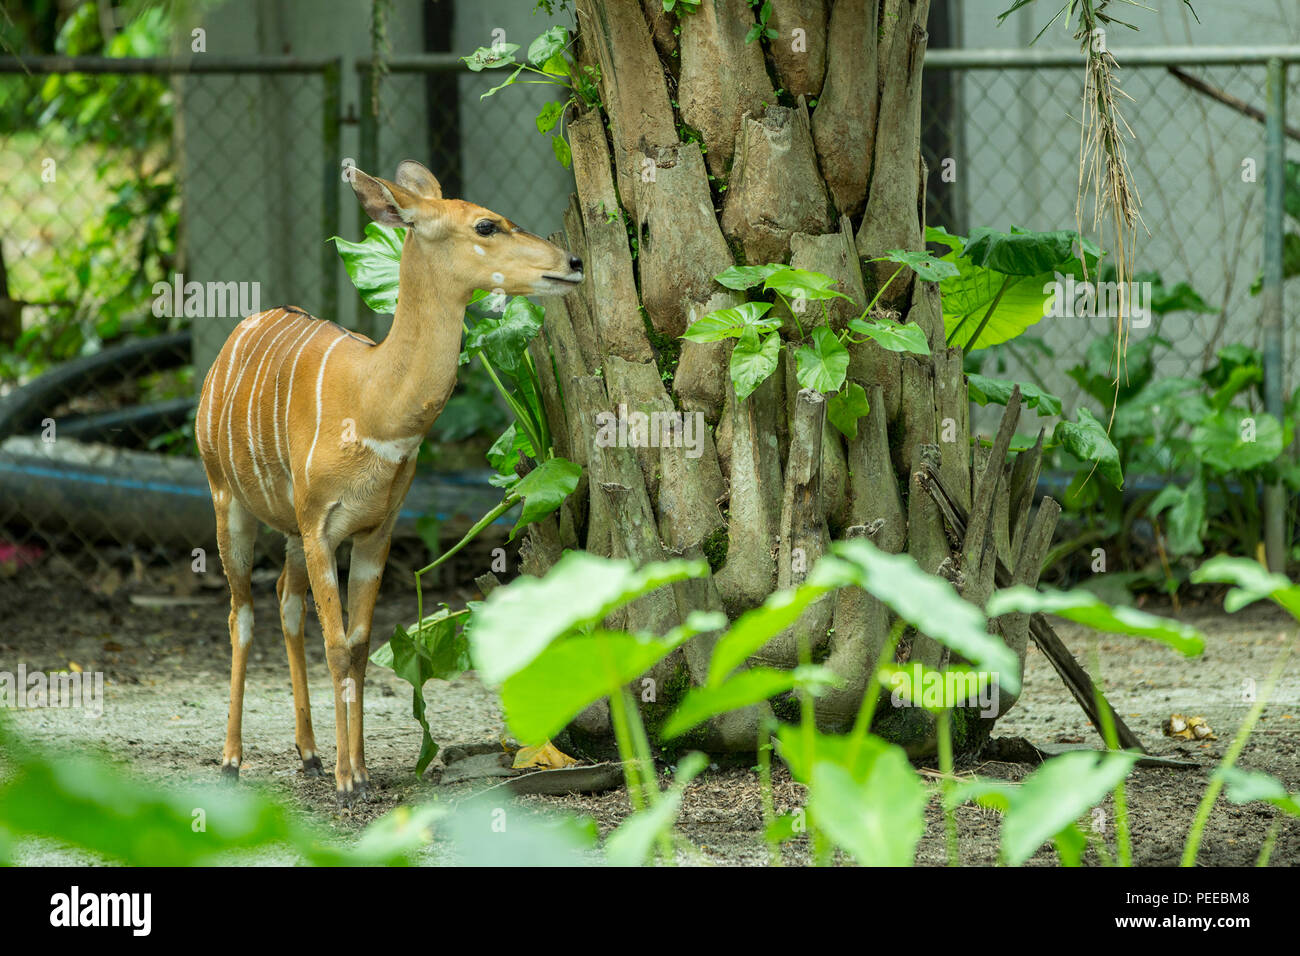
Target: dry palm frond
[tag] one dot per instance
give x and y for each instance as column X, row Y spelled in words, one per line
column 1104, row 174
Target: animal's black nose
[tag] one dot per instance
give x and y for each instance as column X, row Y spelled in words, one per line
column 575, row 263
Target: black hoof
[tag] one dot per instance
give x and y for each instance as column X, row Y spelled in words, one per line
column 361, row 791
column 230, row 773
column 345, row 799
column 311, row 766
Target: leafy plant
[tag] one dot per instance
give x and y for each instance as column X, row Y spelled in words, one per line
column 1001, row 280
column 542, row 641
column 822, row 360
column 99, row 286
column 547, row 57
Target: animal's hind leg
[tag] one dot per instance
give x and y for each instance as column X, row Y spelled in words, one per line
column 292, row 591
column 236, row 533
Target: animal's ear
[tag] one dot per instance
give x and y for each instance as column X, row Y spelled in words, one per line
column 386, row 203
column 414, row 177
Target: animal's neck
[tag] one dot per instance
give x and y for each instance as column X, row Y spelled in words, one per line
column 413, row 371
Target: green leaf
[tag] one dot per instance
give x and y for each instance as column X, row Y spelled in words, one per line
column 1253, row 582
column 998, row 391
column 1070, row 845
column 487, row 831
column 544, row 489
column 937, row 690
column 1022, row 252
column 956, row 244
column 1084, row 607
column 518, row 621
column 557, row 66
column 878, row 820
column 550, row 43
column 743, row 690
column 505, row 340
column 731, row 323
column 1087, row 440
column 631, row 843
column 752, row 362
column 746, row 277
column 802, row 284
column 967, row 298
column 845, row 408
column 508, row 81
column 759, row 625
column 892, row 336
column 1290, row 262
column 575, row 671
column 823, row 365
column 1049, row 800
column 927, row 602
column 87, row 803
column 1055, row 795
column 491, row 57
column 1248, row 786
column 560, row 147
column 1234, row 439
column 504, row 454
column 1138, row 415
column 1187, row 516
column 437, row 649
column 550, row 115
column 373, row 265
column 926, row 266
column 572, row 673
column 1291, row 189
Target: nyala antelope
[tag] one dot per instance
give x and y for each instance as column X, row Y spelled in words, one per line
column 313, row 430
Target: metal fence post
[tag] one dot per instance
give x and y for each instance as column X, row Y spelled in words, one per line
column 1271, row 300
column 368, row 159
column 331, row 77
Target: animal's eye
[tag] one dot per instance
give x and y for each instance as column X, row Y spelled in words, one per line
column 485, row 227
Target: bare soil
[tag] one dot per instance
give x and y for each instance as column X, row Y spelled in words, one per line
column 166, row 665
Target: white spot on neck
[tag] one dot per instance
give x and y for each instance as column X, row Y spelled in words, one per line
column 498, row 278
column 479, row 250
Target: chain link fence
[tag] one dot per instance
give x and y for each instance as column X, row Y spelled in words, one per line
column 114, row 179
column 1011, row 127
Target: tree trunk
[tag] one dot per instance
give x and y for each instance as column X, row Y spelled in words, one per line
column 686, row 169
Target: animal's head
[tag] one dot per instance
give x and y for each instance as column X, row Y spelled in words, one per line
column 485, row 249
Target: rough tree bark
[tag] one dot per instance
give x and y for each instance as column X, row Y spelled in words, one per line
column 695, row 162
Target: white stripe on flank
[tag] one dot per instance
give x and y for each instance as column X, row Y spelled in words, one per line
column 288, row 398
column 275, row 418
column 255, row 398
column 227, row 406
column 320, row 380
column 243, row 329
column 250, row 323
column 209, row 390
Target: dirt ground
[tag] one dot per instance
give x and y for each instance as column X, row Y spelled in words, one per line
column 165, row 662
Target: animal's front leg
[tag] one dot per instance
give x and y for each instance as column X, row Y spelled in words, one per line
column 365, row 573
column 323, row 574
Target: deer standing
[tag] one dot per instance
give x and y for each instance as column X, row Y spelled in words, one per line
column 313, row 430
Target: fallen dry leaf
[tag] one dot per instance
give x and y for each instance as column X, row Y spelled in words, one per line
column 545, row 757
column 1188, row 728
